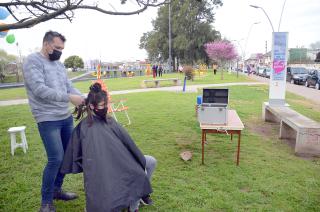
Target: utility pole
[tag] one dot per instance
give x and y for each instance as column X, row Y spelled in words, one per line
column 19, row 63
column 170, row 56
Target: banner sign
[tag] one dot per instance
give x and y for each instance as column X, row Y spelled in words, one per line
column 279, row 56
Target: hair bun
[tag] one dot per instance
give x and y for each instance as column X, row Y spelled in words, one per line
column 96, row 87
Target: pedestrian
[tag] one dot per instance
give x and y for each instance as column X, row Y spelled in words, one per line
column 50, row 92
column 154, row 71
column 157, row 72
column 180, row 69
column 248, row 69
column 116, row 173
column 160, row 70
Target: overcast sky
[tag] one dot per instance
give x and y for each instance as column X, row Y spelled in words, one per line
column 92, row 35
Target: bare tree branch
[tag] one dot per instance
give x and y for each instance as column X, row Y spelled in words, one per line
column 28, row 13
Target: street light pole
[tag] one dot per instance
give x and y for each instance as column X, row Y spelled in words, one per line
column 281, row 14
column 257, row 7
column 242, row 56
column 247, row 38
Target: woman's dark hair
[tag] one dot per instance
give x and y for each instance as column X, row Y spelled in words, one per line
column 95, row 96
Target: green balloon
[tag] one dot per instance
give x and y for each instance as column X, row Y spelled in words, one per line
column 10, row 38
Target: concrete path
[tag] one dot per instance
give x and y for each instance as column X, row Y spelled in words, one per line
column 190, row 88
column 301, row 90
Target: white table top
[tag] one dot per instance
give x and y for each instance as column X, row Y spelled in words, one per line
column 234, row 123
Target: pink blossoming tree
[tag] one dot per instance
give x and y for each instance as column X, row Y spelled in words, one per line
column 221, row 52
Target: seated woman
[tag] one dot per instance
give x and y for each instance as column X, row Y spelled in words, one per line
column 116, row 174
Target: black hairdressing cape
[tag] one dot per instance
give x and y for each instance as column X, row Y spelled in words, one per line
column 113, row 167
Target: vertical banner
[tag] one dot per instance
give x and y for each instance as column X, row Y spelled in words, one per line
column 279, row 57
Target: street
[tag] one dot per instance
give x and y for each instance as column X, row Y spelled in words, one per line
column 309, row 93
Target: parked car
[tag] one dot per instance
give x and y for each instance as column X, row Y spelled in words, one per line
column 266, row 72
column 253, row 71
column 297, row 75
column 313, row 79
column 260, row 71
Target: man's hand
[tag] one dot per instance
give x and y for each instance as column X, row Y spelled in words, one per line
column 76, row 99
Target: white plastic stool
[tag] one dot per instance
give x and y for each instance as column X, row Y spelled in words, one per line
column 14, row 144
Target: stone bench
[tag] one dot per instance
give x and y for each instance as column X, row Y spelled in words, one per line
column 175, row 81
column 293, row 125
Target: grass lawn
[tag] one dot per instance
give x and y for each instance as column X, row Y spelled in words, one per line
column 72, row 74
column 269, row 178
column 12, row 78
column 115, row 84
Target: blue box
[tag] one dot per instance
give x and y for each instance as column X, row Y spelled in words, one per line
column 199, row 100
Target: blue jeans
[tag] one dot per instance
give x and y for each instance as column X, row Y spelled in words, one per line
column 55, row 136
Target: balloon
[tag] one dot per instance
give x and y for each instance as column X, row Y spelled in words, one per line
column 10, row 38
column 3, row 33
column 3, row 13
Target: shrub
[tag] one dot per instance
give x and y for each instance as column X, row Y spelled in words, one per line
column 188, row 71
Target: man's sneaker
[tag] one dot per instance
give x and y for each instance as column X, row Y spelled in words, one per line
column 146, row 200
column 66, row 196
column 47, row 208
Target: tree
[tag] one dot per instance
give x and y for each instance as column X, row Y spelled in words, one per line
column 317, row 60
column 315, row 45
column 5, row 59
column 74, row 62
column 191, row 28
column 221, row 52
column 28, row 13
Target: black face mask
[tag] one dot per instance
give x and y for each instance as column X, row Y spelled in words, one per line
column 102, row 113
column 55, row 55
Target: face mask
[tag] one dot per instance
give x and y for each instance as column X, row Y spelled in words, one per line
column 102, row 113
column 55, row 55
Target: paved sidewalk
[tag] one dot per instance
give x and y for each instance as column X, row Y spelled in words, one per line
column 190, row 88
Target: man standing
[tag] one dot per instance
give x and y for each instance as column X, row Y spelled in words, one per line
column 160, row 69
column 49, row 93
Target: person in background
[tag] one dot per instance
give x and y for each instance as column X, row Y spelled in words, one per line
column 160, row 70
column 154, row 71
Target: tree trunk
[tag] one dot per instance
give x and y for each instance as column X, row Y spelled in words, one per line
column 222, row 69
column 17, row 74
column 222, row 74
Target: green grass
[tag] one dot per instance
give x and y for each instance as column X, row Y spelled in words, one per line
column 12, row 78
column 269, row 178
column 115, row 84
column 72, row 74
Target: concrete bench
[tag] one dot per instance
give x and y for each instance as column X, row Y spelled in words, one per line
column 293, row 125
column 175, row 81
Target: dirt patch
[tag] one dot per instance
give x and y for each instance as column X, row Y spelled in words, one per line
column 265, row 129
column 245, row 189
column 185, row 142
column 270, row 131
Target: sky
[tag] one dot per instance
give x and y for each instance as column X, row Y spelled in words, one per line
column 93, row 35
column 301, row 19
